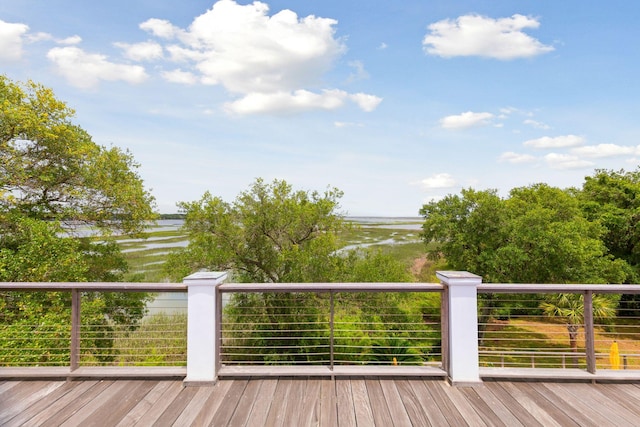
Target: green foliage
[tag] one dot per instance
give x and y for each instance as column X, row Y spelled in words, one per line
column 537, row 235
column 276, row 328
column 612, row 198
column 54, row 178
column 51, row 169
column 570, row 307
column 271, row 234
column 32, row 250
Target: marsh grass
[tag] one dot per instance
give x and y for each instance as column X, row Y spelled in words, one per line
column 146, row 262
column 159, row 340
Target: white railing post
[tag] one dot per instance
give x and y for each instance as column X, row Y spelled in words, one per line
column 463, row 363
column 202, row 330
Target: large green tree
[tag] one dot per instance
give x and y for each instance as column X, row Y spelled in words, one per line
column 50, row 168
column 539, row 234
column 613, row 199
column 272, row 233
column 54, row 182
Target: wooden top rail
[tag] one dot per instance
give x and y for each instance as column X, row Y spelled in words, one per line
column 330, row 287
column 93, row 286
column 529, row 288
column 520, row 288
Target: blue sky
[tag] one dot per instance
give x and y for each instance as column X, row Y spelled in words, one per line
column 394, row 103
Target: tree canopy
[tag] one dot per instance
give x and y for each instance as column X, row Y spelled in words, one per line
column 613, row 199
column 53, row 178
column 50, row 169
column 273, row 233
column 539, row 234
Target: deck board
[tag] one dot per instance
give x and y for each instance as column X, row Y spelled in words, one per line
column 412, row 404
column 317, row 402
column 77, row 403
column 38, row 406
column 310, row 408
column 379, row 407
column 160, row 404
column 395, row 404
column 245, row 405
column 361, row 402
column 262, row 405
column 439, row 394
column 328, row 407
column 175, row 408
column 144, row 404
column 212, row 404
column 294, row 403
column 275, row 417
column 500, row 408
column 428, row 404
column 610, row 410
column 487, row 408
column 233, row 396
column 344, row 399
column 23, row 396
column 107, row 400
column 191, row 411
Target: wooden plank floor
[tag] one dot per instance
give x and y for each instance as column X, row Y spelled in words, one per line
column 350, row 401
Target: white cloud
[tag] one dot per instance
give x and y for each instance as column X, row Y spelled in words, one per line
column 508, row 110
column 383, row 46
column 161, row 28
column 11, row 40
column 70, row 40
column 606, row 150
column 181, row 54
column 536, row 124
column 275, row 63
column 38, row 37
column 516, row 158
column 297, row 101
column 474, row 35
column 555, row 142
column 179, row 76
column 365, row 101
column 248, row 51
column 466, row 120
column 438, row 181
column 566, row 161
column 145, row 51
column 86, row 70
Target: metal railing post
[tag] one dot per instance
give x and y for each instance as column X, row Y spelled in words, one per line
column 331, row 330
column 444, row 328
column 75, row 329
column 589, row 334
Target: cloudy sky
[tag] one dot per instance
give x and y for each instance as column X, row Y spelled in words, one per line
column 395, row 103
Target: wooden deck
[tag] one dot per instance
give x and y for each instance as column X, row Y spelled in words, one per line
column 349, row 401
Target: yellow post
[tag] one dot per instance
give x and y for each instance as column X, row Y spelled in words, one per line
column 614, row 356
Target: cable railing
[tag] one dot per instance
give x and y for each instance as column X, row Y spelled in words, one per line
column 585, row 327
column 460, row 328
column 329, row 325
column 79, row 325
